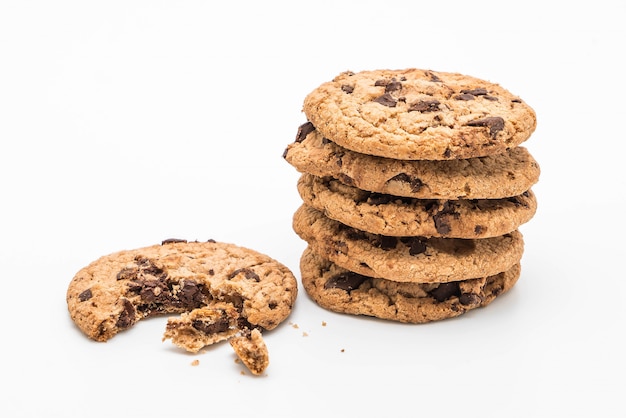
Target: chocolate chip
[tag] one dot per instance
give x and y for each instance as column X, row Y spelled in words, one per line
column 347, row 89
column 210, row 328
column 494, row 123
column 386, row 100
column 85, row 295
column 470, row 299
column 172, row 241
column 475, row 92
column 425, row 106
column 393, row 86
column 127, row 316
column 388, row 243
column 127, row 273
column 345, row 179
column 191, row 293
column 478, row 229
column 433, row 77
column 415, row 183
column 464, row 96
column 379, row 198
column 416, row 246
column 491, row 98
column 447, row 153
column 445, row 291
column 304, row 130
column 248, row 273
column 347, row 281
column 441, row 218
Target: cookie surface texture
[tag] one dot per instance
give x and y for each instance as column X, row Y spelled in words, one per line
column 339, row 290
column 406, row 259
column 396, row 216
column 492, row 177
column 114, row 292
column 416, row 114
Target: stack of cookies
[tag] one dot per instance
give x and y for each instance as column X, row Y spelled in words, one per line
column 414, row 185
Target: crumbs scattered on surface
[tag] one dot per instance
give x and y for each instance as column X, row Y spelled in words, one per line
column 343, row 350
column 304, row 334
column 195, row 362
column 242, row 373
column 237, row 360
column 323, row 323
column 294, row 325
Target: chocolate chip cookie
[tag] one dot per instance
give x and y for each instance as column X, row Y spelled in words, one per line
column 406, row 259
column 404, row 216
column 416, row 114
column 223, row 286
column 507, row 174
column 340, row 290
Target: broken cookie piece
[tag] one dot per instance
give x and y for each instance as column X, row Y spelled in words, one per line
column 251, row 350
column 203, row 326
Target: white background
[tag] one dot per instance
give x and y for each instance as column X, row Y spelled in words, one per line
column 123, row 123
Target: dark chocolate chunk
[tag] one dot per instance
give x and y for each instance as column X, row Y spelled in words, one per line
column 388, row 243
column 441, row 218
column 445, row 291
column 172, row 241
column 386, row 100
column 417, row 246
column 393, row 86
column 464, row 96
column 210, row 328
column 249, row 274
column 85, row 295
column 304, row 130
column 127, row 273
column 127, row 316
column 470, row 299
column 345, row 179
column 494, row 123
column 347, row 281
column 347, row 89
column 447, row 153
column 425, row 106
column 433, row 77
column 475, row 92
column 478, row 229
column 191, row 293
column 415, row 183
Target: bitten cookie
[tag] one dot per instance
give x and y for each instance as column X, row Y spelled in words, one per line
column 416, row 114
column 404, row 216
column 406, row 259
column 114, row 292
column 339, row 290
column 507, row 174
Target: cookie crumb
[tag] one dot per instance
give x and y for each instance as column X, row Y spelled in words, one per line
column 304, row 334
column 195, row 362
column 323, row 323
column 295, row 326
column 343, row 350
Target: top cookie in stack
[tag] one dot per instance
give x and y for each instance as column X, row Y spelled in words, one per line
column 414, row 185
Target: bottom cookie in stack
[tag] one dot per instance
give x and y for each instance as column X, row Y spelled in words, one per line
column 340, row 290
